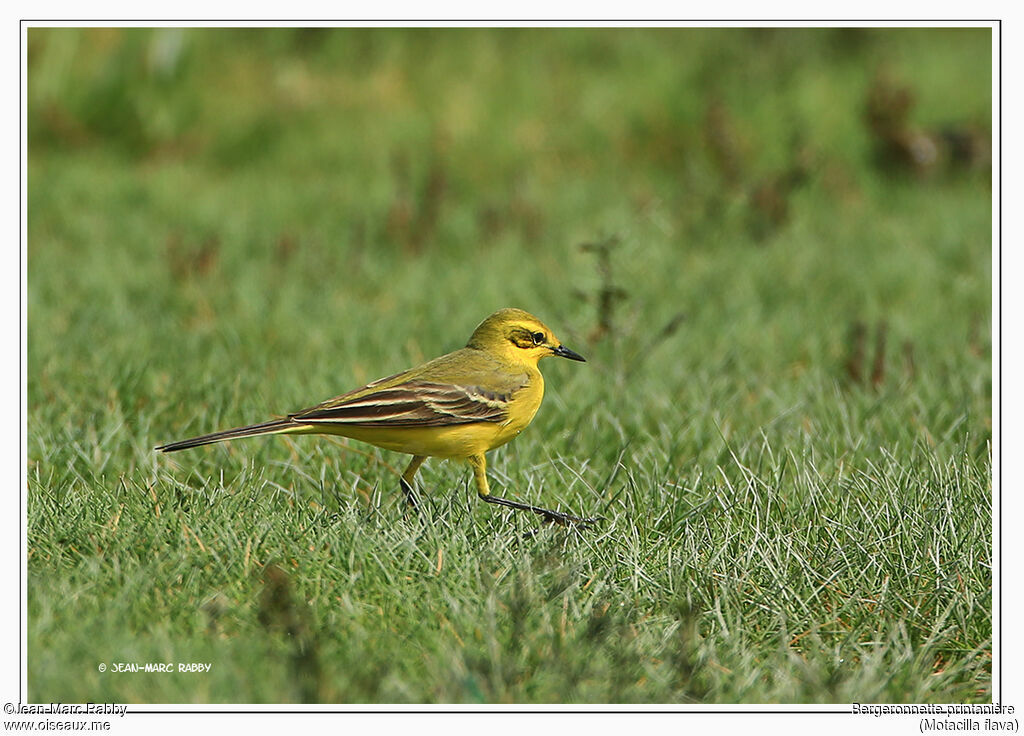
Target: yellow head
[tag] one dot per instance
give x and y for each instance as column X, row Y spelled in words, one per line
column 518, row 337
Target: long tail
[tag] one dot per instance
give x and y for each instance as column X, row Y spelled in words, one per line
column 272, row 427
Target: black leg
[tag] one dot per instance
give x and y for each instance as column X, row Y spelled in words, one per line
column 407, row 479
column 410, row 495
column 479, row 464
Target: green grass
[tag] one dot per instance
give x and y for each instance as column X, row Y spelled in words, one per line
column 268, row 218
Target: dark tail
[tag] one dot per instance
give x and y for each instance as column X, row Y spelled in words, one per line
column 272, row 427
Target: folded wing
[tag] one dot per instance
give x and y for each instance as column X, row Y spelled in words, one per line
column 414, row 403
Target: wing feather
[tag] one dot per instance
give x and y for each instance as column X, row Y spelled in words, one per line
column 412, row 404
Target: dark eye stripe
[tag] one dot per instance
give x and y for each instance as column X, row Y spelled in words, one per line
column 523, row 338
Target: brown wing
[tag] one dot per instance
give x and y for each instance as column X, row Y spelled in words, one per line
column 412, row 404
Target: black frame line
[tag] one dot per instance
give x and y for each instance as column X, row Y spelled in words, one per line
column 21, row 378
column 519, row 20
column 496, row 712
column 997, row 501
column 999, row 517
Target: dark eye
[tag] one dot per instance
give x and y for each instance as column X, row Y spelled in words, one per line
column 538, row 338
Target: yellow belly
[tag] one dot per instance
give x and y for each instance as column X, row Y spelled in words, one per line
column 463, row 440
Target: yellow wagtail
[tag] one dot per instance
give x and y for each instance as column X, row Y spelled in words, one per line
column 459, row 406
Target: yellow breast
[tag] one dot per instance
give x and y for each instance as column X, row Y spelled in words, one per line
column 522, row 408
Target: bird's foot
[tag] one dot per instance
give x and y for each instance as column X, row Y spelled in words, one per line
column 550, row 516
column 562, row 519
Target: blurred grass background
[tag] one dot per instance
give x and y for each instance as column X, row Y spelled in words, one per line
column 773, row 246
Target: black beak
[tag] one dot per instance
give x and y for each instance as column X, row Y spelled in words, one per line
column 563, row 352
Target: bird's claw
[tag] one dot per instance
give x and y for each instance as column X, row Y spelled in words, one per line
column 557, row 517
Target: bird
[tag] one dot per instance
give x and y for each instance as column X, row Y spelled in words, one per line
column 458, row 406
